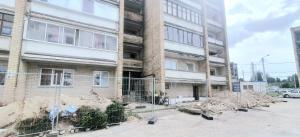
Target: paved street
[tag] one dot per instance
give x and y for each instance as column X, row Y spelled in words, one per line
column 280, row 120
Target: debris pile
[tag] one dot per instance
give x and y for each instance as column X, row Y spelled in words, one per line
column 218, row 105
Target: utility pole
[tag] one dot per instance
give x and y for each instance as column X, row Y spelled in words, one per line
column 264, row 70
column 253, row 72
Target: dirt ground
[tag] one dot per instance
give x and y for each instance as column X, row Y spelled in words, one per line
column 280, row 120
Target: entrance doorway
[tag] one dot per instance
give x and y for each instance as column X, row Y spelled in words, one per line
column 196, row 92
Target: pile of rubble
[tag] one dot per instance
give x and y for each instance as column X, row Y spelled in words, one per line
column 218, row 105
column 35, row 106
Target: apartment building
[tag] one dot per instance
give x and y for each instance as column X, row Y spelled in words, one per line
column 99, row 45
column 189, row 40
column 60, row 40
column 296, row 42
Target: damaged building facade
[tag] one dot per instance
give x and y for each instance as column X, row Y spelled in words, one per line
column 108, row 45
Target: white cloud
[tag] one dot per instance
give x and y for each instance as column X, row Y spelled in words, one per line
column 260, row 40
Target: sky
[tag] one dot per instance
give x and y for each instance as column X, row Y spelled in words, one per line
column 257, row 28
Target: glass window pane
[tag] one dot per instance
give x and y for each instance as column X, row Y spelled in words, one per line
column 69, row 36
column 184, row 13
column 192, row 16
column 170, row 64
column 181, row 37
column 170, row 8
column 57, row 77
column 111, row 43
column 46, row 77
column 188, row 15
column 97, row 79
column 9, row 18
column 165, row 6
column 104, row 79
column 166, row 32
column 190, row 67
column 170, row 33
column 196, row 40
column 189, row 38
column 1, row 16
column 36, row 30
column 86, row 39
column 6, row 28
column 179, row 11
column 185, row 40
column 68, row 78
column 99, row 41
column 88, row 6
column 52, row 33
column 174, row 9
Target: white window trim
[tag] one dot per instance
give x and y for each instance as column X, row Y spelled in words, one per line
column 52, row 77
column 100, row 86
column 74, row 45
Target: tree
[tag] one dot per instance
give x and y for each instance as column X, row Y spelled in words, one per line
column 259, row 76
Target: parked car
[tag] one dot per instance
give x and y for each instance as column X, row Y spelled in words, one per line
column 292, row 94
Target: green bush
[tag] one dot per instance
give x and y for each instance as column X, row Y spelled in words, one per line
column 115, row 113
column 90, row 118
column 34, row 125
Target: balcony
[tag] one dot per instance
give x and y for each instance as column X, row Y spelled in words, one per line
column 180, row 22
column 215, row 41
column 214, row 22
column 130, row 63
column 44, row 51
column 133, row 39
column 172, row 75
column 4, row 43
column 133, row 16
column 216, row 59
column 218, row 80
column 183, row 48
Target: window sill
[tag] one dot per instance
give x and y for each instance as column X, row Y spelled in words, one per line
column 65, row 87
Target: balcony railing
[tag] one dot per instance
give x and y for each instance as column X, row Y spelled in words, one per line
column 216, row 59
column 133, row 39
column 176, row 74
column 133, row 16
column 215, row 41
column 130, row 63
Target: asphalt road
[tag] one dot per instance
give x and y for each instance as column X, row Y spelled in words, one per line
column 280, row 120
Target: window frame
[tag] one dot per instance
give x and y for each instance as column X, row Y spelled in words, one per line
column 2, row 20
column 100, row 82
column 52, row 77
column 170, row 59
column 76, row 37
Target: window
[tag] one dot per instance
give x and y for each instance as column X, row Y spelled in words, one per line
column 111, row 43
column 101, row 79
column 179, row 11
column 170, row 8
column 213, row 72
column 245, row 87
column 182, row 36
column 197, row 40
column 52, row 33
column 184, row 13
column 188, row 15
column 99, row 41
column 69, row 36
column 36, row 30
column 171, row 64
column 3, row 70
column 174, row 9
column 250, row 87
column 85, row 39
column 56, row 77
column 6, row 23
column 190, row 67
column 88, row 6
column 165, row 6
